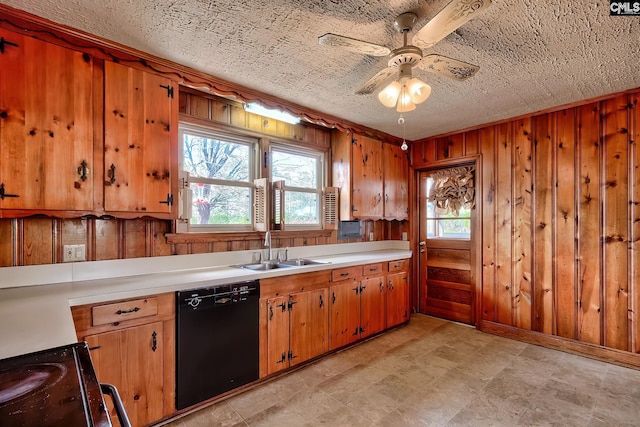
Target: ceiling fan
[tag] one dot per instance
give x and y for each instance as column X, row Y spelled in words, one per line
column 407, row 57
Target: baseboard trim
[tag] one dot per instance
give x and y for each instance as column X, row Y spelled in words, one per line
column 618, row 357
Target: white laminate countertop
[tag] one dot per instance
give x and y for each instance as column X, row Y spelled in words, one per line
column 35, row 301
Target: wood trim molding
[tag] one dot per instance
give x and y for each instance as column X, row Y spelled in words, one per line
column 174, row 238
column 46, row 30
column 592, row 351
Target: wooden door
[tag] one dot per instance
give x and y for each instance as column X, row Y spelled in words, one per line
column 446, row 267
column 278, row 334
column 46, row 126
column 344, row 315
column 367, row 184
column 309, row 325
column 373, row 318
column 131, row 359
column 397, row 299
column 140, row 141
column 396, row 183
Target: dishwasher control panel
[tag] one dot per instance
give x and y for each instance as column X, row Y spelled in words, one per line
column 218, row 295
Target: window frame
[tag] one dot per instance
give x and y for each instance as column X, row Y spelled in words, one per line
column 213, row 132
column 321, row 177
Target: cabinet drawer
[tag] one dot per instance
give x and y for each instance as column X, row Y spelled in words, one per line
column 346, row 273
column 373, row 269
column 398, row 265
column 125, row 310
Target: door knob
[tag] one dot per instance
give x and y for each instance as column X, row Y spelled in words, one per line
column 422, row 243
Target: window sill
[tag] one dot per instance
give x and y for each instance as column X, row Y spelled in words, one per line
column 205, row 237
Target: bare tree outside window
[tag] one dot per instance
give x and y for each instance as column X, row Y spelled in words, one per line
column 302, row 176
column 220, row 172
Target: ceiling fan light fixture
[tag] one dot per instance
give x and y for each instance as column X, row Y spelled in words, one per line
column 389, row 95
column 418, row 90
column 405, row 103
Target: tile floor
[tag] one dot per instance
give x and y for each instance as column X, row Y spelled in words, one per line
column 437, row 373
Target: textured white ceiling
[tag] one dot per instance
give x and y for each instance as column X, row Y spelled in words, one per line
column 533, row 54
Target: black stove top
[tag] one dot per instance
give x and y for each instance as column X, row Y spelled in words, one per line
column 56, row 387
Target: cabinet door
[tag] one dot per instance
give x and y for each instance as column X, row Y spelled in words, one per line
column 367, row 178
column 397, row 299
column 46, row 126
column 140, row 141
column 396, row 183
column 131, row 359
column 309, row 325
column 277, row 334
column 344, row 317
column 373, row 317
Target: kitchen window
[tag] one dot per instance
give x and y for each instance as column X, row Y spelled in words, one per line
column 221, row 169
column 303, row 174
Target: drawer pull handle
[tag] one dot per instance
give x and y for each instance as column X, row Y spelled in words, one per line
column 270, row 312
column 344, row 274
column 95, row 348
column 133, row 310
column 334, row 298
column 321, row 301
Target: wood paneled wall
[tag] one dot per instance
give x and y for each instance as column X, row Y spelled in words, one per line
column 40, row 240
column 560, row 219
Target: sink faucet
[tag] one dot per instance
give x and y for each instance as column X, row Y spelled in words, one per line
column 267, row 244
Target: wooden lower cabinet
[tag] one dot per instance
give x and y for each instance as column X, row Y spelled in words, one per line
column 357, row 311
column 368, row 302
column 297, row 328
column 373, row 309
column 132, row 358
column 344, row 320
column 397, row 299
column 135, row 352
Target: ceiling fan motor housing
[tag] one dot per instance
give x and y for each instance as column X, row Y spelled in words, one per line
column 404, row 59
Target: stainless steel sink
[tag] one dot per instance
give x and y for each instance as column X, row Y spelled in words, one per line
column 300, row 262
column 263, row 266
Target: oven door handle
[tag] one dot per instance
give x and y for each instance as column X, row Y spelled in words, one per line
column 112, row 391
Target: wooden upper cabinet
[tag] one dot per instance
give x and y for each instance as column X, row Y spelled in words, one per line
column 367, row 190
column 46, row 127
column 372, row 177
column 140, row 142
column 396, row 183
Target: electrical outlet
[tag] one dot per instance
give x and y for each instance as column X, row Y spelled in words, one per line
column 73, row 253
column 404, row 235
column 371, row 236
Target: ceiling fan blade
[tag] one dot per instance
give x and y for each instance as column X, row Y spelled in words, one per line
column 377, row 80
column 453, row 16
column 353, row 45
column 448, row 67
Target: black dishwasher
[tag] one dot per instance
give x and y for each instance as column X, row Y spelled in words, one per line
column 217, row 337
